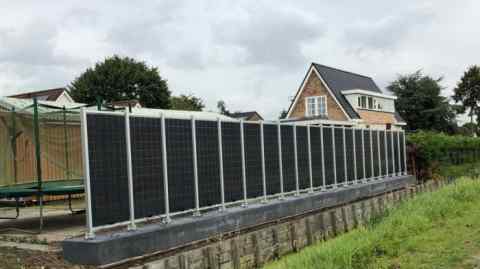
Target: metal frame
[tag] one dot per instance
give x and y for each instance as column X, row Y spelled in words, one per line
column 224, row 205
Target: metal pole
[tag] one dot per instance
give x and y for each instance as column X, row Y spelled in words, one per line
column 280, row 161
column 354, row 155
column 363, row 153
column 310, row 158
column 334, row 157
column 345, row 155
column 393, row 154
column 398, row 155
column 244, row 173
column 65, row 136
column 165, row 170
column 131, row 201
column 195, row 168
column 386, row 153
column 405, row 170
column 220, row 155
column 13, row 142
column 371, row 154
column 295, row 154
column 324, row 181
column 379, row 155
column 264, row 179
column 86, row 174
column 38, row 157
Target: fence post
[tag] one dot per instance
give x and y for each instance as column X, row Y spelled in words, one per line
column 13, row 142
column 393, row 153
column 405, row 170
column 334, row 157
column 310, row 158
column 354, row 155
column 323, row 158
column 196, row 212
column 295, row 153
column 131, row 201
column 280, row 160
column 262, row 146
column 65, row 136
column 379, row 155
column 371, row 154
column 86, row 173
column 165, row 170
column 363, row 152
column 220, row 157
column 38, row 158
column 386, row 153
column 345, row 155
column 244, row 172
column 399, row 173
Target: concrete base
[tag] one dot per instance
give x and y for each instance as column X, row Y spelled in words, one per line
column 121, row 245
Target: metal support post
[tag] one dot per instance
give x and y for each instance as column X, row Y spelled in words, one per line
column 131, row 200
column 244, row 172
column 264, row 179
column 280, row 160
column 165, row 171
column 295, row 153
column 310, row 173
column 220, row 157
column 86, row 174
column 196, row 212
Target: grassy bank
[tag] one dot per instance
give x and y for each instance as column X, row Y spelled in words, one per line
column 434, row 230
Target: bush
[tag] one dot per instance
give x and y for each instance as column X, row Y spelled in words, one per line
column 430, row 150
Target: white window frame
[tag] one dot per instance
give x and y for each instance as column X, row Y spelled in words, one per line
column 317, row 100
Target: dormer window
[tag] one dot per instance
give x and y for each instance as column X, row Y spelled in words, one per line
column 316, row 106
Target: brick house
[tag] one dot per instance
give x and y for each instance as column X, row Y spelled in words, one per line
column 332, row 96
column 247, row 116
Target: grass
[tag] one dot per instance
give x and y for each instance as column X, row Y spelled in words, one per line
column 433, row 230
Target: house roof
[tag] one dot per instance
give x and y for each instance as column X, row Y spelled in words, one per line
column 45, row 95
column 339, row 80
column 245, row 115
column 126, row 103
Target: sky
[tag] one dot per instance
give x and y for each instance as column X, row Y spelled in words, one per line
column 251, row 54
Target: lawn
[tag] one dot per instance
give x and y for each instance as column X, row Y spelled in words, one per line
column 433, row 230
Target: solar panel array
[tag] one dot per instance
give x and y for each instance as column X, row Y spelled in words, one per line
column 305, row 157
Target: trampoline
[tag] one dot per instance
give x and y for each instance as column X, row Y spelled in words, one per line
column 51, row 188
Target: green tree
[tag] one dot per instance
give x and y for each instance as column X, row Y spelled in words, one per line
column 187, row 102
column 222, row 108
column 467, row 92
column 121, row 78
column 283, row 114
column 420, row 103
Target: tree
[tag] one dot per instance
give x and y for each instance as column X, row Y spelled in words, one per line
column 120, row 79
column 222, row 108
column 283, row 114
column 420, row 104
column 467, row 92
column 186, row 102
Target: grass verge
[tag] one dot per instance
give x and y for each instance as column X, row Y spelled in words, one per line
column 433, row 230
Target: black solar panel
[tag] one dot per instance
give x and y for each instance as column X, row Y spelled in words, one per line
column 339, row 155
column 253, row 160
column 375, row 140
column 180, row 164
column 108, row 169
column 382, row 153
column 350, row 155
column 208, row 161
column 232, row 161
column 303, row 160
column 147, row 166
column 329, row 166
column 396, row 152
column 272, row 169
column 317, row 167
column 389, row 152
column 360, row 153
column 402, row 150
column 368, row 155
column 288, row 158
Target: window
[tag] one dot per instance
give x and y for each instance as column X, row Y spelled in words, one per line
column 370, row 103
column 322, row 105
column 362, row 102
column 316, row 106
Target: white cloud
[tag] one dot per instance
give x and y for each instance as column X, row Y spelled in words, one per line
column 252, row 54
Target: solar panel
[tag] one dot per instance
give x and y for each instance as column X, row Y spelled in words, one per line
column 253, row 160
column 303, row 160
column 288, row 158
column 272, row 169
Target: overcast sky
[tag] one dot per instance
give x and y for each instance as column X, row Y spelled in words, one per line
column 251, row 54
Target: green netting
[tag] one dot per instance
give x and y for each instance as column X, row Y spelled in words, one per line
column 59, row 139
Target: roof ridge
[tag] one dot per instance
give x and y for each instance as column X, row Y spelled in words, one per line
column 41, row 91
column 341, row 70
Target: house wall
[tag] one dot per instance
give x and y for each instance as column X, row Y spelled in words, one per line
column 315, row 87
column 387, row 104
